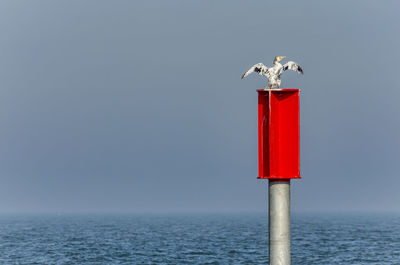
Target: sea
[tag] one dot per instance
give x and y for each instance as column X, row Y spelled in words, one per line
column 195, row 239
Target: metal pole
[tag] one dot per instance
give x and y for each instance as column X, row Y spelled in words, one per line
column 279, row 222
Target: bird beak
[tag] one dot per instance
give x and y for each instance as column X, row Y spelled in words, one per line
column 243, row 76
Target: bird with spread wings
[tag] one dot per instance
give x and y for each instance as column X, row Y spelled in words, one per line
column 274, row 73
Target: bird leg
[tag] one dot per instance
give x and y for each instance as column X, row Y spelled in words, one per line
column 270, row 86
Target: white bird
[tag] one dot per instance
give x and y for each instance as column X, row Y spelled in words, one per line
column 274, row 73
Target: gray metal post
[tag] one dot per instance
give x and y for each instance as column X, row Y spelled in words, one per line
column 279, row 222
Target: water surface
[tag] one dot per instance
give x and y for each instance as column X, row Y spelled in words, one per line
column 195, row 239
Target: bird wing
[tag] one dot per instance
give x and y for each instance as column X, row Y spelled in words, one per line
column 291, row 66
column 259, row 68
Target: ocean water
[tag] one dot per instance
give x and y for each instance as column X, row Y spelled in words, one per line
column 195, row 239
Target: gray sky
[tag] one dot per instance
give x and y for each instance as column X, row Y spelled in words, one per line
column 138, row 105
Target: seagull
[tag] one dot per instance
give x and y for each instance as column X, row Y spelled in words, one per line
column 274, row 73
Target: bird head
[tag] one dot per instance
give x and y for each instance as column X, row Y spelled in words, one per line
column 280, row 58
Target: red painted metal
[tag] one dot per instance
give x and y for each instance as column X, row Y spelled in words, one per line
column 278, row 134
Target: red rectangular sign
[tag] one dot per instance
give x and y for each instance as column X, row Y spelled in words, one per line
column 278, row 134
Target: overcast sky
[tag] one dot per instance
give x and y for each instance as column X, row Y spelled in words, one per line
column 138, row 106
